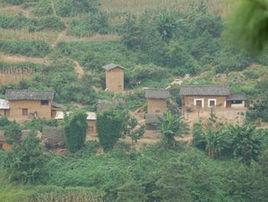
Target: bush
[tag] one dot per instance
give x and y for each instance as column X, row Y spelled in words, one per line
column 13, row 133
column 32, row 24
column 110, row 126
column 66, row 8
column 26, row 162
column 93, row 23
column 27, row 48
column 75, row 129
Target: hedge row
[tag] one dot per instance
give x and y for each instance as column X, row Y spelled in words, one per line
column 32, row 24
column 27, row 48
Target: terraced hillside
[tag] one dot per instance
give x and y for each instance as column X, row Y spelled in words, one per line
column 157, row 41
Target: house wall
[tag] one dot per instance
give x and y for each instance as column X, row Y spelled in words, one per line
column 91, row 130
column 188, row 101
column 16, row 106
column 239, row 106
column 156, row 106
column 115, row 80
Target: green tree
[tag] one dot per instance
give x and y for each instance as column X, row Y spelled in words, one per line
column 13, row 133
column 249, row 24
column 25, row 163
column 246, row 143
column 171, row 126
column 75, row 129
column 110, row 127
column 199, row 140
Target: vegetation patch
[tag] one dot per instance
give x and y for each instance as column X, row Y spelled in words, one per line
column 27, row 48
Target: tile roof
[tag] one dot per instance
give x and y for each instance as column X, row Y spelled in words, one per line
column 203, row 90
column 157, row 93
column 29, row 95
column 239, row 97
column 111, row 66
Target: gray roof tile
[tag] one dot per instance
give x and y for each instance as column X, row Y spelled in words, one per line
column 29, row 95
column 157, row 93
column 203, row 90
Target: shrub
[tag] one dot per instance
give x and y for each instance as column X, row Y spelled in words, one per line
column 13, row 133
column 66, row 8
column 75, row 129
column 27, row 48
column 93, row 23
column 32, row 24
column 110, row 126
column 26, row 162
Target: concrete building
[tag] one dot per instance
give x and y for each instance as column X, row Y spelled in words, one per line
column 26, row 104
column 114, row 78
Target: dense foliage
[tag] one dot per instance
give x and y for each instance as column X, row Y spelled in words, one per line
column 249, row 24
column 27, row 48
column 31, row 24
column 26, row 162
column 110, row 127
column 12, row 132
column 75, row 129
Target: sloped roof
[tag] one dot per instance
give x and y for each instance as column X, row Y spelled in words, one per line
column 203, row 90
column 4, row 104
column 239, row 97
column 157, row 93
column 29, row 95
column 112, row 66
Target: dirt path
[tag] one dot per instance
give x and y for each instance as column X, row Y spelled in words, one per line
column 19, row 58
column 78, row 70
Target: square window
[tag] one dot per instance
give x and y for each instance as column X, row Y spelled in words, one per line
column 24, row 112
column 212, row 103
column 44, row 102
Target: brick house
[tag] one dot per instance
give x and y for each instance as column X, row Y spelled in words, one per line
column 114, row 78
column 156, row 106
column 205, row 97
column 26, row 104
column 156, row 100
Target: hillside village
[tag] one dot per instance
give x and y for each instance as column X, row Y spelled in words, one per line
column 137, row 100
column 197, row 103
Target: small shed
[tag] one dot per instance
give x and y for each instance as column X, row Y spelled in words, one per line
column 156, row 100
column 91, row 123
column 114, row 78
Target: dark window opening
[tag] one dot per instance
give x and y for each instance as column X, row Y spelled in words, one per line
column 212, row 103
column 237, row 102
column 25, row 112
column 44, row 102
